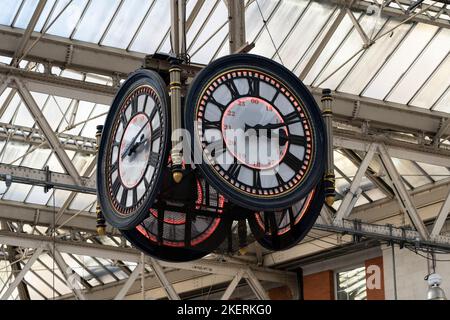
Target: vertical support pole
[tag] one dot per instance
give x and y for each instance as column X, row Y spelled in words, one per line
column 101, row 223
column 236, row 18
column 330, row 179
column 394, row 272
column 174, row 29
column 175, row 100
column 182, row 28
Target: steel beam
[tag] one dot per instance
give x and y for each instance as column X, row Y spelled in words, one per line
column 35, row 137
column 68, row 274
column 352, row 195
column 398, row 13
column 236, row 23
column 18, row 54
column 326, row 39
column 130, row 281
column 402, row 194
column 48, row 132
column 165, row 283
column 441, row 218
column 256, row 286
column 132, row 255
column 47, row 178
column 18, row 278
column 233, row 284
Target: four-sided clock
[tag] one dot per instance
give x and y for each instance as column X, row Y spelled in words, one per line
column 261, row 141
column 133, row 150
column 259, row 131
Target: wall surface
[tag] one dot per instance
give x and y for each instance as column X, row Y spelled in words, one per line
column 411, row 270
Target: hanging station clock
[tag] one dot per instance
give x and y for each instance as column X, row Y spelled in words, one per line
column 259, row 131
column 132, row 150
column 186, row 230
column 281, row 230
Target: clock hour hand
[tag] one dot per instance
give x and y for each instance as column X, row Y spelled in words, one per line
column 128, row 149
column 136, row 146
column 271, row 126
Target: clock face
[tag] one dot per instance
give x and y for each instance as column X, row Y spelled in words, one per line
column 260, row 132
column 175, row 233
column 132, row 150
column 280, row 230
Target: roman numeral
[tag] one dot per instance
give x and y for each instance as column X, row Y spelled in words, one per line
column 135, row 197
column 134, row 106
column 233, row 89
column 257, row 179
column 116, row 186
column 279, row 179
column 254, row 87
column 114, row 167
column 217, row 104
column 123, row 201
column 154, row 158
column 123, row 120
column 270, row 223
column 293, row 162
column 297, row 140
column 208, row 125
column 156, row 134
column 153, row 113
column 275, row 97
column 291, row 117
column 216, row 148
column 234, row 170
column 291, row 217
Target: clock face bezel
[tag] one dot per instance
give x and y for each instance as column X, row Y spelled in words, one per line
column 308, row 171
column 295, row 224
column 152, row 150
column 201, row 245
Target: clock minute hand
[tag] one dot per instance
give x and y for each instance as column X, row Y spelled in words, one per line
column 133, row 142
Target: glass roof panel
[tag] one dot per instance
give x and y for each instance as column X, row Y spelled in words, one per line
column 38, row 196
column 374, row 58
column 410, row 172
column 253, row 20
column 336, row 70
column 435, row 87
column 9, row 10
column 25, row 14
column 217, row 18
column 37, row 159
column 423, row 67
column 399, row 62
column 126, row 23
column 444, row 102
column 100, row 12
column 306, row 31
column 65, row 23
column 437, row 173
column 17, row 192
column 49, row 6
column 148, row 39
